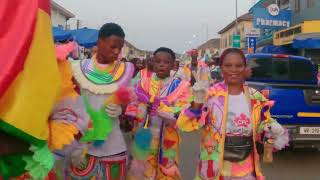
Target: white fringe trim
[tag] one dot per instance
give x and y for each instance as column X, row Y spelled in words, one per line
column 88, row 85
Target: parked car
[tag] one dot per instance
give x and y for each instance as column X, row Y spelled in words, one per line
column 291, row 81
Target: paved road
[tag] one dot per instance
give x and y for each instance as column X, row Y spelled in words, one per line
column 288, row 165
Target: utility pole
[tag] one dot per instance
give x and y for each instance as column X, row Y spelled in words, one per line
column 78, row 23
column 237, row 17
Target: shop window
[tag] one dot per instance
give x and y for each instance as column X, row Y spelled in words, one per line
column 281, row 69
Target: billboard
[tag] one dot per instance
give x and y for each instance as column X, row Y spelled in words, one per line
column 271, row 17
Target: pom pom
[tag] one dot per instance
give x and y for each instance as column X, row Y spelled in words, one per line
column 281, row 141
column 143, row 138
column 123, row 96
column 141, row 144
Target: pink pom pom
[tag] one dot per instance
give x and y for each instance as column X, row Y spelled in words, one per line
column 124, row 95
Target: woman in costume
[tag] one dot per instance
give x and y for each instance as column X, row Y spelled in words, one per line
column 232, row 118
column 160, row 98
column 84, row 123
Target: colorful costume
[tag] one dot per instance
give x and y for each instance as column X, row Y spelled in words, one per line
column 29, row 86
column 156, row 146
column 200, row 73
column 79, row 119
column 213, row 120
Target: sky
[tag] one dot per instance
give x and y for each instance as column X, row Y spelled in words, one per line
column 149, row 24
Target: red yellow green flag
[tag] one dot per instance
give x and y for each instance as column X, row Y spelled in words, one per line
column 29, row 75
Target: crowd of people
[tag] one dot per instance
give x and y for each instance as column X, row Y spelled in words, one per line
column 154, row 100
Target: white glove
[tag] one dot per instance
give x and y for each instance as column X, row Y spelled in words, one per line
column 78, row 159
column 113, row 110
column 200, row 91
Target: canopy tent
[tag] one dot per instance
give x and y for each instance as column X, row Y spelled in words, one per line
column 307, row 41
column 60, row 34
column 85, row 37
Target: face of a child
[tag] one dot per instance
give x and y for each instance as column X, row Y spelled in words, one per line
column 139, row 64
column 109, row 49
column 163, row 64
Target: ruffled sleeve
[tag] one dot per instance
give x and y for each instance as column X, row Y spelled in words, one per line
column 68, row 118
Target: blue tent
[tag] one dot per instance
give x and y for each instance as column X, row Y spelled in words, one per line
column 85, row 37
column 60, row 34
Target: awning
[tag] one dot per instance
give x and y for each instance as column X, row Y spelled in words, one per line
column 60, row 34
column 85, row 37
column 271, row 49
column 307, row 41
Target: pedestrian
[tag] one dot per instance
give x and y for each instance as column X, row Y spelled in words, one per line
column 86, row 117
column 215, row 70
column 139, row 64
column 160, row 97
column 232, row 119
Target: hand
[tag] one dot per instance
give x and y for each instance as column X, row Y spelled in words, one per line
column 200, row 91
column 149, row 108
column 78, row 159
column 113, row 110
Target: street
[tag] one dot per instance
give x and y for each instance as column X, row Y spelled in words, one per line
column 300, row 164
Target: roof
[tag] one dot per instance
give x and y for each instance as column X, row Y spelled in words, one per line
column 259, row 4
column 212, row 43
column 245, row 17
column 266, row 3
column 61, row 9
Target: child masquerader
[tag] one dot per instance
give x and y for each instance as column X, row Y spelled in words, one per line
column 160, row 98
column 84, row 125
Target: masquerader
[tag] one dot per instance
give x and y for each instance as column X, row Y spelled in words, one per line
column 87, row 114
column 232, row 119
column 160, row 98
column 195, row 71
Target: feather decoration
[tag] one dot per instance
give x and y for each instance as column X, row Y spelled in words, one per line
column 101, row 122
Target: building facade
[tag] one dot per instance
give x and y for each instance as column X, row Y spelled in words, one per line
column 305, row 10
column 266, row 37
column 304, row 34
column 60, row 16
column 226, row 34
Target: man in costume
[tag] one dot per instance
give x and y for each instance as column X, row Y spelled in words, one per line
column 160, row 98
column 86, row 115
